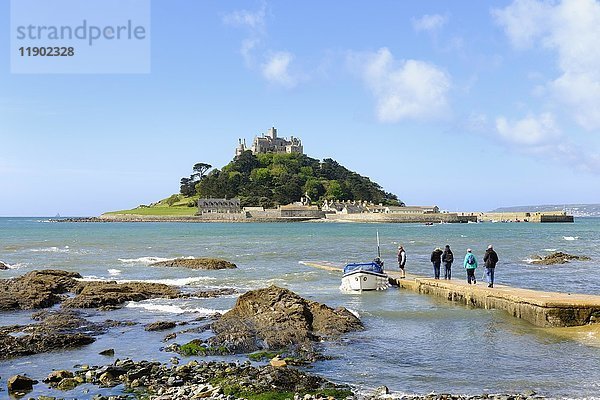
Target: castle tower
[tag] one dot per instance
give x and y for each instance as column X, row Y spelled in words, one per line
column 272, row 133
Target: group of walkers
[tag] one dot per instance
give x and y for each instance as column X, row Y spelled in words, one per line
column 446, row 257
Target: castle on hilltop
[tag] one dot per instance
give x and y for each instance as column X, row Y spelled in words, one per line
column 270, row 143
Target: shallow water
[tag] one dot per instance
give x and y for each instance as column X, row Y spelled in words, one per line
column 412, row 343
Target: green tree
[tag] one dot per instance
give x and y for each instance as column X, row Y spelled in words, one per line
column 334, row 191
column 314, row 188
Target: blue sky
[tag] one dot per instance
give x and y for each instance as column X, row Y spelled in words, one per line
column 468, row 105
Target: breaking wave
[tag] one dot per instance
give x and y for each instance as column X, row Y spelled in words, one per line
column 148, row 260
column 171, row 282
column 13, row 266
column 114, row 271
column 170, row 308
column 52, row 249
column 570, row 237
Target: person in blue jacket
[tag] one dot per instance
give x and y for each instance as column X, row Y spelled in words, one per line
column 470, row 265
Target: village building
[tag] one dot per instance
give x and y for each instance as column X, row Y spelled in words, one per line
column 412, row 210
column 219, row 206
column 269, row 142
column 358, row 207
column 298, row 210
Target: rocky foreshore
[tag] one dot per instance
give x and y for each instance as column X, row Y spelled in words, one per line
column 219, row 380
column 280, row 327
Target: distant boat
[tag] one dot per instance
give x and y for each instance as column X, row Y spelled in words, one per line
column 365, row 276
column 57, row 215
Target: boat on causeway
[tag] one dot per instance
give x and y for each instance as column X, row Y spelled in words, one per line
column 364, row 276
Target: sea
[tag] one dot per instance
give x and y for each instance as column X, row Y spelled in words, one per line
column 412, row 343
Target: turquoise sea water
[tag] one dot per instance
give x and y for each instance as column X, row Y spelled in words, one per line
column 412, row 343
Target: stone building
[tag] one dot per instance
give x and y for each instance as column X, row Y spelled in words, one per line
column 271, row 143
column 297, row 210
column 220, row 206
column 412, row 210
column 359, row 207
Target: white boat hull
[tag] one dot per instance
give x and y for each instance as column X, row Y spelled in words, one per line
column 361, row 280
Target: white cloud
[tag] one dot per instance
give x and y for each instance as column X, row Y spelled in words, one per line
column 429, row 23
column 254, row 20
column 570, row 28
column 529, row 131
column 410, row 89
column 247, row 50
column 276, row 69
column 523, row 21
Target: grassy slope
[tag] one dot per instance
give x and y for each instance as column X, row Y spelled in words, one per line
column 178, row 209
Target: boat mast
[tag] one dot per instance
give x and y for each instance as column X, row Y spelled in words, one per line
column 378, row 251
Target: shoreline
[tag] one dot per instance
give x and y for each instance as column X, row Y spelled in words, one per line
column 247, row 217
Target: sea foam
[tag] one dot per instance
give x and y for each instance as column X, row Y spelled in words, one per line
column 52, row 249
column 173, row 309
column 148, row 260
column 171, row 282
column 14, row 266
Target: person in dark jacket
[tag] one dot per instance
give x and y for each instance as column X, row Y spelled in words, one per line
column 401, row 261
column 436, row 259
column 490, row 259
column 447, row 259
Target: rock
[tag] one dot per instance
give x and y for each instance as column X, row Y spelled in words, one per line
column 57, row 329
column 160, row 326
column 107, row 352
column 64, row 321
column 382, row 390
column 276, row 318
column 214, row 293
column 170, row 336
column 277, row 362
column 20, row 383
column 36, row 289
column 57, row 376
column 68, row 384
column 196, row 263
column 138, row 373
column 558, row 258
column 11, row 346
column 3, row 266
column 101, row 294
column 107, row 379
column 161, row 381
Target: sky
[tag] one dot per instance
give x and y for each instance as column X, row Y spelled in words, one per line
column 468, row 105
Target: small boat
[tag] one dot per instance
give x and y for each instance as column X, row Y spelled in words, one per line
column 365, row 276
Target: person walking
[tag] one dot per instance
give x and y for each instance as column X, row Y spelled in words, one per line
column 436, row 259
column 490, row 259
column 447, row 259
column 470, row 265
column 401, row 261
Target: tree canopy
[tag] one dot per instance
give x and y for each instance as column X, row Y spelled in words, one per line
column 271, row 179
